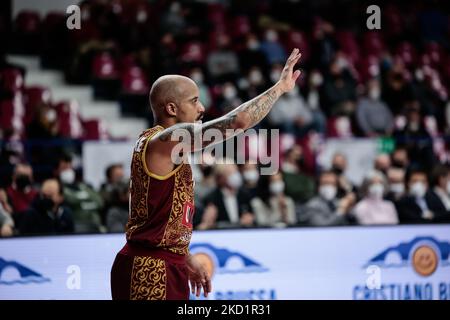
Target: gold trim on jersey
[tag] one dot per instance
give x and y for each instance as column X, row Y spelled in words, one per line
column 148, row 279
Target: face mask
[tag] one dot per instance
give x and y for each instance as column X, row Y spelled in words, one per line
column 293, row 92
column 229, row 93
column 271, row 36
column 397, row 188
column 251, row 176
column 67, row 176
column 255, row 77
column 275, row 76
column 448, row 187
column 50, row 116
column 418, row 190
column 22, row 181
column 197, row 77
column 374, row 94
column 413, row 126
column 45, row 204
column 253, row 45
column 316, row 79
column 276, row 187
column 338, row 171
column 328, row 192
column 376, row 191
column 235, row 180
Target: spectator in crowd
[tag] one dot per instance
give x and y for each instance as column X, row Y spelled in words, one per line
column 339, row 89
column 21, row 192
column 198, row 77
column 339, row 166
column 223, row 63
column 114, row 175
column 117, row 214
column 291, row 114
column 252, row 55
column 396, row 181
column 272, row 48
column 231, row 202
column 6, row 221
column 440, row 183
column 382, row 163
column 373, row 115
column 373, row 209
column 396, row 88
column 298, row 185
column 84, row 202
column 416, row 138
column 326, row 209
column 250, row 175
column 400, row 158
column 271, row 206
column 419, row 205
column 47, row 214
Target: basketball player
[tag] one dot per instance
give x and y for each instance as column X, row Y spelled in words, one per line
column 155, row 262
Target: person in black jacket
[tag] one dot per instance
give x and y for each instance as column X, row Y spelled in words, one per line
column 227, row 205
column 47, row 215
column 419, row 205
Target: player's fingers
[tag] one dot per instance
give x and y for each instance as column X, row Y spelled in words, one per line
column 207, row 287
column 296, row 75
column 199, row 289
column 193, row 287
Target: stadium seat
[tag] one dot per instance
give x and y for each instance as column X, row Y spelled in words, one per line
column 11, row 80
column 69, row 119
column 34, row 96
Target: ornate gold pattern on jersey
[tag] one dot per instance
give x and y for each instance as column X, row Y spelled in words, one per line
column 139, row 184
column 177, row 236
column 148, row 279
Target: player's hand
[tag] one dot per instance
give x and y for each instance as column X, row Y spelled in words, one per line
column 198, row 277
column 288, row 75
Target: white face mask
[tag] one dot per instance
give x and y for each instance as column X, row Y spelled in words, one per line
column 255, row 77
column 271, row 36
column 328, row 192
column 376, row 191
column 374, row 94
column 276, row 187
column 448, row 187
column 253, row 45
column 251, row 176
column 67, row 176
column 397, row 188
column 235, row 180
column 316, row 79
column 197, row 77
column 418, row 190
column 275, row 75
column 229, row 93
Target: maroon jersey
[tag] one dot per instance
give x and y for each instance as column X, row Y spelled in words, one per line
column 161, row 207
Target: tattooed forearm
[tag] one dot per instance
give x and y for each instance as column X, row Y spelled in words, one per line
column 243, row 117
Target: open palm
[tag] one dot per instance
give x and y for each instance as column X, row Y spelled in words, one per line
column 288, row 75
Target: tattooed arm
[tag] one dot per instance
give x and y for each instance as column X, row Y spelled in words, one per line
column 243, row 117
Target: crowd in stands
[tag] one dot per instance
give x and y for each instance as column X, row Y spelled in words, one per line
column 389, row 83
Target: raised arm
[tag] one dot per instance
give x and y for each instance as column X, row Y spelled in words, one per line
column 243, row 117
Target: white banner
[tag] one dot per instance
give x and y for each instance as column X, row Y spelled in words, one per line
column 398, row 262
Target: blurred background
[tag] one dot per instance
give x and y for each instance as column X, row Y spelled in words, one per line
column 363, row 137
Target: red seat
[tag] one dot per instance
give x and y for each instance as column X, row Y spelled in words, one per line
column 339, row 127
column 368, row 67
column 240, row 26
column 95, row 130
column 373, row 43
column 34, row 96
column 297, row 39
column 193, row 52
column 27, row 22
column 134, row 81
column 11, row 114
column 348, row 44
column 407, row 53
column 69, row 119
column 11, row 80
column 104, row 67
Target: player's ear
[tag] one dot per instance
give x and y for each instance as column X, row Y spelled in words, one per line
column 171, row 109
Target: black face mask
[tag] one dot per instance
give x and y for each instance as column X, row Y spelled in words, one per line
column 207, row 171
column 338, row 171
column 22, row 181
column 45, row 204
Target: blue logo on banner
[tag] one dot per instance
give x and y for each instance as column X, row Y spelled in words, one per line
column 225, row 261
column 12, row 272
column 424, row 253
